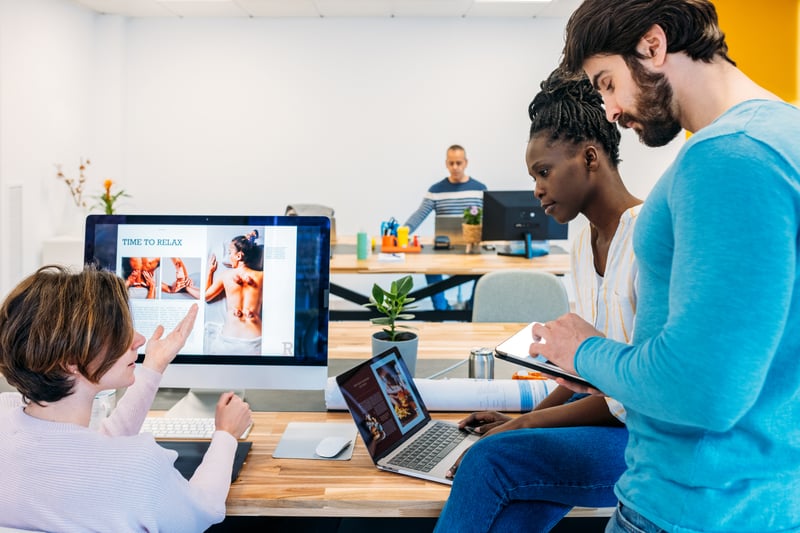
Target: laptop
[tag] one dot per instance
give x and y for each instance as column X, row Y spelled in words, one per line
column 450, row 226
column 515, row 350
column 395, row 424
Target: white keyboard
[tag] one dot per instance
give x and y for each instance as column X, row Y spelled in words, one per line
column 163, row 427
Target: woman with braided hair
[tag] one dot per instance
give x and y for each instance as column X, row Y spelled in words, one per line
column 529, row 471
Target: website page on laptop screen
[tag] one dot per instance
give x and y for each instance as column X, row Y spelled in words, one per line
column 254, row 284
column 383, row 401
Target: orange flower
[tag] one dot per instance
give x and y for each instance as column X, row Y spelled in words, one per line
column 107, row 200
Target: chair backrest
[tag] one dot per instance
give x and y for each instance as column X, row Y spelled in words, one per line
column 314, row 210
column 519, row 296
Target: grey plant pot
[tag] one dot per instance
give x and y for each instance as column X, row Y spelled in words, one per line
column 406, row 347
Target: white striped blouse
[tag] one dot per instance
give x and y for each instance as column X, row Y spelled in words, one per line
column 609, row 301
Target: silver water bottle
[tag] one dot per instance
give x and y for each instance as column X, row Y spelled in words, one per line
column 481, row 363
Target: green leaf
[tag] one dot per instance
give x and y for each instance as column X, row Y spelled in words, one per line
column 392, row 303
column 377, row 293
column 404, row 285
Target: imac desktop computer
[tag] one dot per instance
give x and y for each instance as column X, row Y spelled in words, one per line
column 518, row 218
column 261, row 283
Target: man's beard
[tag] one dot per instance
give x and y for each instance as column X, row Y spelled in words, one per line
column 654, row 105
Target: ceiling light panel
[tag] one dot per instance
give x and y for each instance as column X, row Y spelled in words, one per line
column 279, row 8
column 204, row 8
column 355, row 8
column 127, row 8
column 505, row 9
column 431, row 8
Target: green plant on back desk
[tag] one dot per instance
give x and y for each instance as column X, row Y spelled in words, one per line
column 394, row 305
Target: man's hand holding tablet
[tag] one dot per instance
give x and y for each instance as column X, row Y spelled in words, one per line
column 558, row 341
column 546, row 347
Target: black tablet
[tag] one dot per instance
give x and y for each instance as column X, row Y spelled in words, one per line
column 191, row 453
column 515, row 350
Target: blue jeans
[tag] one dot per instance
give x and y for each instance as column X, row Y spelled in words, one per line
column 528, row 479
column 626, row 520
column 438, row 300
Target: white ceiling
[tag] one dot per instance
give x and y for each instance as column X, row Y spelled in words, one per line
column 332, row 8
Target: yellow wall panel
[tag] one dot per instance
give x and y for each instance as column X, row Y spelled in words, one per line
column 763, row 40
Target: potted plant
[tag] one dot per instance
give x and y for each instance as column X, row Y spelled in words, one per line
column 472, row 227
column 394, row 305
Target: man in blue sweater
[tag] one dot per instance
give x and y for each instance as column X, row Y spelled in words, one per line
column 449, row 196
column 711, row 382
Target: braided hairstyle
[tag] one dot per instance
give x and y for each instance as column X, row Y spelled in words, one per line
column 568, row 108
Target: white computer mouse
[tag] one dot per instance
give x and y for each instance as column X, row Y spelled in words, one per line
column 332, row 446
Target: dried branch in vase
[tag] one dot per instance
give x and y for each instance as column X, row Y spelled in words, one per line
column 75, row 185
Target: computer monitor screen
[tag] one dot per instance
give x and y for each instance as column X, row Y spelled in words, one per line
column 518, row 216
column 261, row 283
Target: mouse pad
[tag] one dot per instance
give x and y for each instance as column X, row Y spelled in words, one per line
column 191, row 452
column 301, row 438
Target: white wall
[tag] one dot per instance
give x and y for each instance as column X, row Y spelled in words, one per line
column 45, row 95
column 247, row 115
column 250, row 115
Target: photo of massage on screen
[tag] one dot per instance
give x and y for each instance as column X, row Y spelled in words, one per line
column 145, row 279
column 242, row 276
column 379, row 385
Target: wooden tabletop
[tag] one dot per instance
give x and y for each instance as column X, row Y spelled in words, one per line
column 444, row 262
column 354, row 488
column 451, row 264
column 308, row 487
column 437, row 340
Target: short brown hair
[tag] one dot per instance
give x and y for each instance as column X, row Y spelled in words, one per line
column 56, row 318
column 603, row 27
column 457, row 147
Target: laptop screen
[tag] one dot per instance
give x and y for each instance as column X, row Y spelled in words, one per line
column 384, row 401
column 450, row 226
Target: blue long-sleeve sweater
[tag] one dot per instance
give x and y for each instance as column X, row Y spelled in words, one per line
column 712, row 380
column 446, row 198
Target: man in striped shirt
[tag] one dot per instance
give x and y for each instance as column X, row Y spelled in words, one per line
column 450, row 196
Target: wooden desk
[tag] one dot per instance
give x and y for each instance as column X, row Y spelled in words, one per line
column 460, row 266
column 354, row 488
column 437, row 340
column 300, row 487
column 446, row 262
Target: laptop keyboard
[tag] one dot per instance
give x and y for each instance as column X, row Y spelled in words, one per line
column 430, row 448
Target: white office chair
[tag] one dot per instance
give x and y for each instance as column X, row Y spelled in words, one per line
column 519, row 296
column 314, row 210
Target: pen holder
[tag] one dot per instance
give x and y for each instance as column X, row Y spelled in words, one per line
column 388, row 241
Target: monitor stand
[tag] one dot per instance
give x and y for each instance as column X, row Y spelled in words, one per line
column 198, row 403
column 530, row 250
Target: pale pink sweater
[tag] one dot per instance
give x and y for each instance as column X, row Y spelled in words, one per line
column 64, row 477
